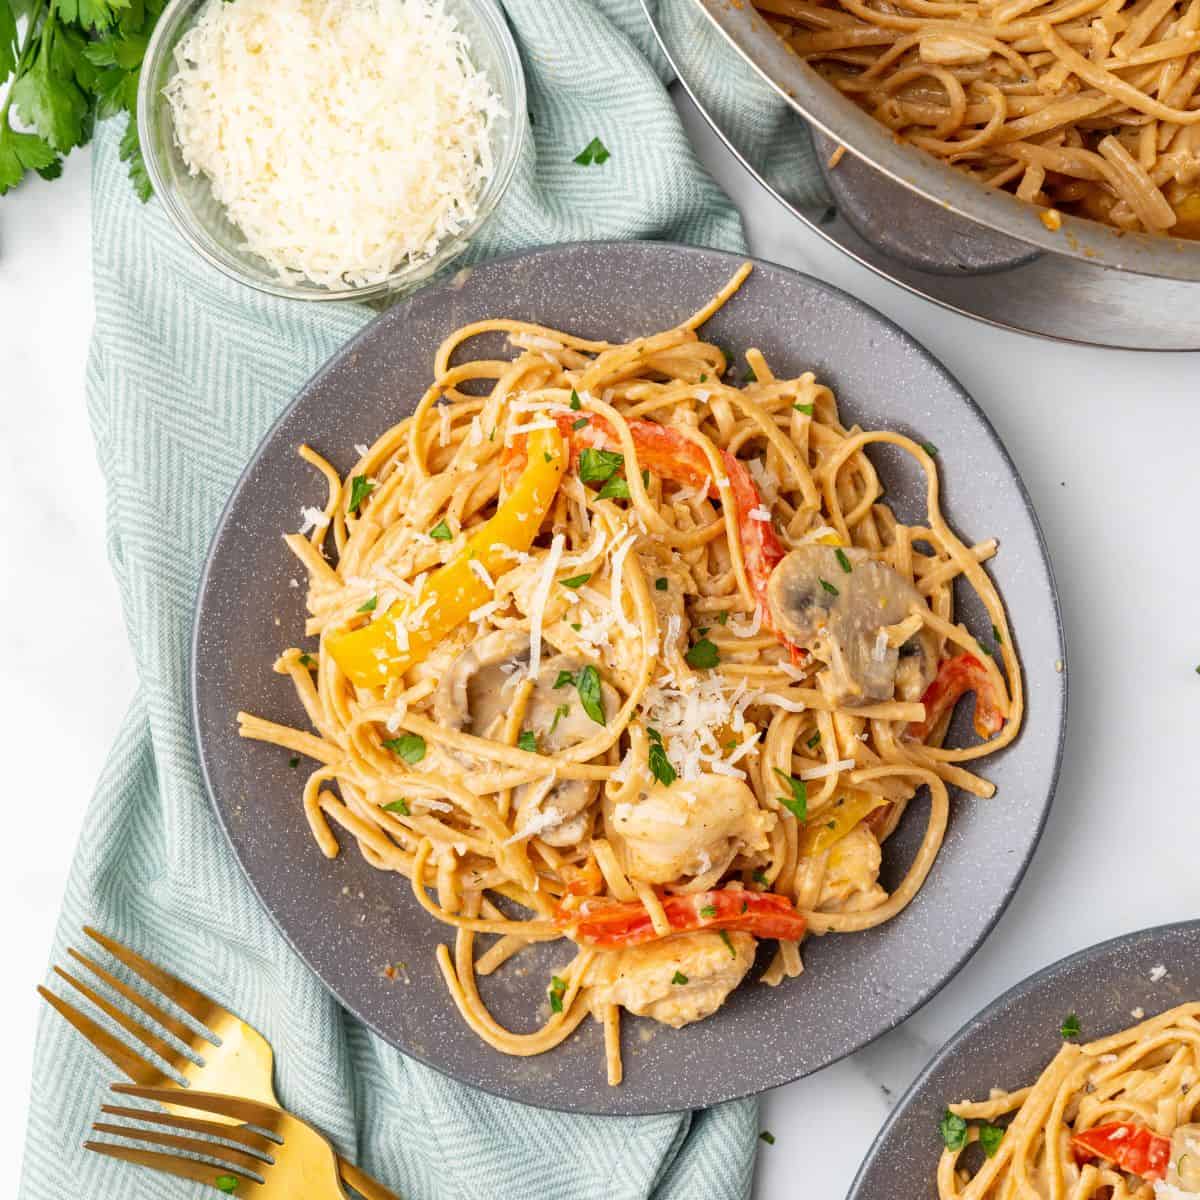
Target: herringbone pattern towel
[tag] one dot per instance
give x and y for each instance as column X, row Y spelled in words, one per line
column 187, row 371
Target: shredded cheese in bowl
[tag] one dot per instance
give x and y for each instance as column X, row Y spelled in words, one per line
column 346, row 140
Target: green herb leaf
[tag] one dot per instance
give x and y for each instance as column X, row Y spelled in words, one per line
column 929, row 448
column 723, row 616
column 953, row 1130
column 598, row 466
column 767, row 1136
column 709, row 910
column 661, row 583
column 441, row 532
column 750, row 376
column 368, row 605
column 9, row 47
column 398, row 806
column 990, row 1137
column 728, row 943
column 576, row 581
column 996, row 637
column 49, row 101
column 226, row 1183
column 307, row 660
column 590, row 696
column 560, row 712
column 703, row 655
column 843, row 561
column 797, row 802
column 409, row 746
column 565, row 679
column 829, row 587
column 814, row 741
column 806, row 409
column 1071, row 1026
column 527, row 741
column 557, row 990
column 594, row 153
column 759, row 876
column 577, row 425
column 576, row 403
column 661, row 766
column 615, row 489
column 294, row 761
column 679, row 978
column 130, row 152
column 20, row 152
column 360, row 488
column 703, row 377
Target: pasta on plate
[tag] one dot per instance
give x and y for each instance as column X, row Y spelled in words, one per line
column 1115, row 1119
column 621, row 649
column 1084, row 106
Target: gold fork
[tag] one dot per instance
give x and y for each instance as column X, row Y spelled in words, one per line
column 280, row 1157
column 235, row 1059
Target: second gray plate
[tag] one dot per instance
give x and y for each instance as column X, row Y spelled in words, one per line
column 348, row 921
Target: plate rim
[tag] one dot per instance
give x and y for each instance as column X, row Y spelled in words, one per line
column 971, row 1025
column 445, row 283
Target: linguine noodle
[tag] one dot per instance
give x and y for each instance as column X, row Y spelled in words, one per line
column 1084, row 106
column 562, row 681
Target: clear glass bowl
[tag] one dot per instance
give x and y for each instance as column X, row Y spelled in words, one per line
column 202, row 221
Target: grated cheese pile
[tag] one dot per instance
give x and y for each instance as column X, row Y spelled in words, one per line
column 344, row 138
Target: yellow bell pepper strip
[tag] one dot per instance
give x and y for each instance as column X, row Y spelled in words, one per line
column 372, row 655
column 828, row 828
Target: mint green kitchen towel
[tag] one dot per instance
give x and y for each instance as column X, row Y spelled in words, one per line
column 187, row 372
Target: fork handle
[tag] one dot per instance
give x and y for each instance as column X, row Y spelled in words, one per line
column 362, row 1183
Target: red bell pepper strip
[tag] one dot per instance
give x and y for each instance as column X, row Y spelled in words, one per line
column 1131, row 1147
column 956, row 676
column 668, row 454
column 617, row 923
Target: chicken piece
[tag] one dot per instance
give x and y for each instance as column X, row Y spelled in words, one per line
column 476, row 694
column 689, row 827
column 675, row 980
column 841, row 615
column 850, row 883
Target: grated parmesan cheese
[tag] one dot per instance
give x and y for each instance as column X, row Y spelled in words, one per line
column 314, row 518
column 537, row 612
column 344, row 138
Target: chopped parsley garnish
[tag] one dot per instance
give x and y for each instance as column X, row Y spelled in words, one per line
column 723, row 616
column 565, row 679
column 679, row 978
column 557, row 990
column 806, row 409
column 759, row 877
column 829, row 587
column 368, row 605
column 929, row 448
column 797, row 802
column 728, row 943
column 560, row 712
column 598, row 466
column 307, row 660
column 732, row 744
column 547, row 456
column 703, row 630
column 527, row 741
column 588, row 687
column 814, row 741
column 703, row 377
column 1071, row 1026
column 614, row 489
column 398, row 806
column 953, row 1130
column 709, row 910
column 576, row 581
column 661, row 583
column 750, row 376
column 294, row 761
column 703, row 655
column 441, row 532
column 843, row 561
column 360, row 488
column 575, row 625
column 990, row 1137
column 660, row 765
column 996, row 636
column 226, row 1183
column 580, row 423
column 409, row 746
column 576, row 403
column 767, row 1136
column 595, row 153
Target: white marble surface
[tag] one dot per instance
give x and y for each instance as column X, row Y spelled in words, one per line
column 1108, row 444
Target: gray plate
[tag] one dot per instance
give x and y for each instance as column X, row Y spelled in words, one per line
column 1011, row 1041
column 348, row 920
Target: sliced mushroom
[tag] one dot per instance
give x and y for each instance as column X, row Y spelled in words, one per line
column 690, row 827
column 475, row 696
column 840, row 617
